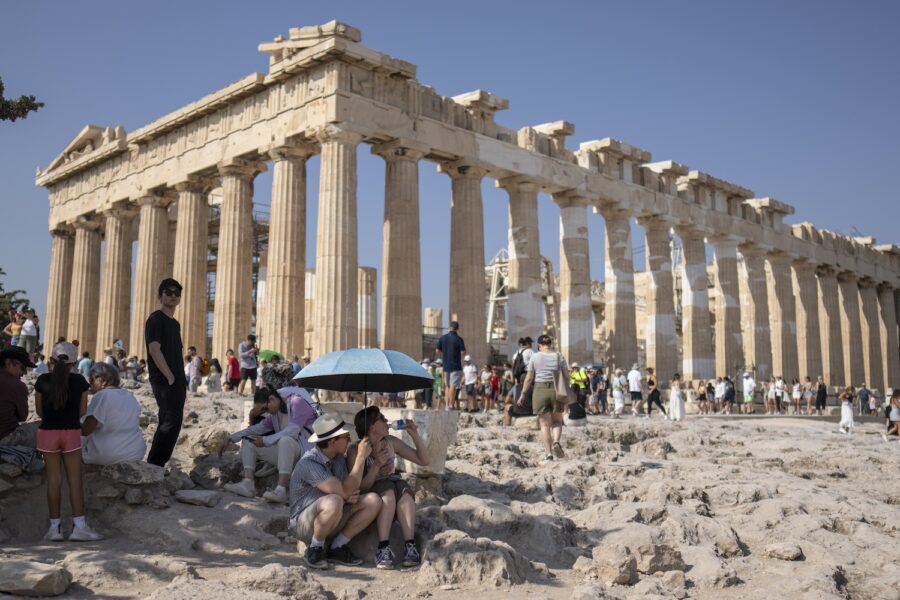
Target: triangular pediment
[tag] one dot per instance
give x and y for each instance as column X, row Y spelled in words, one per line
column 88, row 140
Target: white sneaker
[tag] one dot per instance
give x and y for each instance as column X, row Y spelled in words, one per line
column 54, row 534
column 245, row 488
column 85, row 534
column 884, row 437
column 278, row 495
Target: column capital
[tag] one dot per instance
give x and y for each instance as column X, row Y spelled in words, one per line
column 826, row 271
column 802, row 263
column 690, row 232
column 121, row 212
column 725, row 239
column 657, row 222
column 161, row 199
column 571, row 199
column 752, row 250
column 845, row 276
column 241, row 168
column 610, row 211
column 62, row 230
column 885, row 286
column 334, row 132
column 401, row 149
column 782, row 259
column 517, row 183
column 461, row 169
column 866, row 282
column 196, row 184
column 295, row 151
column 86, row 223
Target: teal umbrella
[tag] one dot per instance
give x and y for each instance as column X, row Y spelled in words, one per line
column 364, row 370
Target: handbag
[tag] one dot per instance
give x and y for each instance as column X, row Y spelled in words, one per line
column 563, row 389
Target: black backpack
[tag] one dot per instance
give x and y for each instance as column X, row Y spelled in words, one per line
column 519, row 366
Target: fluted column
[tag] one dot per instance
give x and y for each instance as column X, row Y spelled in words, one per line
column 576, row 322
column 524, row 304
column 434, row 321
column 59, row 287
column 757, row 338
column 830, row 329
column 889, row 336
column 401, row 274
column 309, row 308
column 284, row 317
column 698, row 361
column 191, row 262
column 368, row 331
column 782, row 316
column 233, row 308
column 85, row 285
column 115, row 290
column 335, row 306
column 661, row 341
column 150, row 266
column 467, row 287
column 854, row 366
column 873, row 360
column 621, row 323
column 729, row 350
column 809, row 340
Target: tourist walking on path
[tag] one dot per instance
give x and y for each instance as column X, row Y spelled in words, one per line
column 247, row 352
column 846, row 398
column 676, row 399
column 862, row 396
column 520, row 369
column 808, row 394
column 780, row 389
column 653, row 396
column 635, row 388
column 796, row 395
column 821, row 396
column 719, row 394
column 451, row 349
column 749, row 387
column 232, row 370
column 542, row 369
column 60, row 399
column 770, row 396
column 162, row 335
column 702, row 398
column 728, row 398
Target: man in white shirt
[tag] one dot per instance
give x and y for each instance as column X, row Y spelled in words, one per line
column 635, row 387
column 193, row 370
column 29, row 336
column 749, row 387
column 470, row 378
column 720, row 393
column 109, row 359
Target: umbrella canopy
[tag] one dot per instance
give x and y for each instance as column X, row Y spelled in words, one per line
column 364, row 370
column 269, row 355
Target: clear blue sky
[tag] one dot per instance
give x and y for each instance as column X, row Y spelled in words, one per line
column 795, row 100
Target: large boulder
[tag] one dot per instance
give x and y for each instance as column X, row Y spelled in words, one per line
column 213, row 471
column 209, row 440
column 25, row 578
column 615, row 564
column 453, row 558
column 652, row 558
column 134, row 473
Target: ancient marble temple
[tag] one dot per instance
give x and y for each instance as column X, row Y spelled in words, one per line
column 789, row 299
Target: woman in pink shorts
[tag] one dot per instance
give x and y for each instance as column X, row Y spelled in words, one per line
column 60, row 399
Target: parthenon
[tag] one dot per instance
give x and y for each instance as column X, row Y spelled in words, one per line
column 789, row 299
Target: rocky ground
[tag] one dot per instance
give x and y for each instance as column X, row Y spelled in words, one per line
column 706, row 508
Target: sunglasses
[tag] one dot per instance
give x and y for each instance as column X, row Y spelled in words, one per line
column 176, row 293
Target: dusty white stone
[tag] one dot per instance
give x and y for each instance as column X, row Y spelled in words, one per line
column 24, row 578
column 199, row 497
column 784, row 551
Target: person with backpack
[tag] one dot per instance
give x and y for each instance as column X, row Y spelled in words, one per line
column 728, row 399
column 519, row 370
column 543, row 369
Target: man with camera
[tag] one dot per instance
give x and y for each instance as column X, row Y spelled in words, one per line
column 247, row 351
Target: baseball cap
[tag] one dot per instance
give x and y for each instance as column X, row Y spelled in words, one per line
column 16, row 353
column 467, row 358
column 65, row 351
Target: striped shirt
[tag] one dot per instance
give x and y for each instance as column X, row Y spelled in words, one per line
column 312, row 469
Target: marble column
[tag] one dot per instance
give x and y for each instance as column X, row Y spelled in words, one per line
column 169, row 269
column 191, row 261
column 309, row 304
column 889, row 336
column 85, row 290
column 809, row 340
column 698, row 361
column 757, row 336
column 782, row 317
column 434, row 321
column 524, row 304
column 283, row 318
column 336, row 316
column 368, row 311
column 150, row 266
column 233, row 308
column 467, row 285
column 621, row 323
column 401, row 272
column 59, row 287
column 851, row 333
column 576, row 322
column 873, row 359
column 729, row 349
column 830, row 328
column 115, row 288
column 661, row 341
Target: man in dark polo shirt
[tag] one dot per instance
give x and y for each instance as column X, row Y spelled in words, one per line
column 162, row 334
column 14, row 361
column 451, row 347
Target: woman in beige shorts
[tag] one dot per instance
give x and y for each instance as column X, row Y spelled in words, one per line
column 541, row 372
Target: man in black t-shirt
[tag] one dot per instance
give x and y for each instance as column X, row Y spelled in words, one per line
column 162, row 334
column 451, row 348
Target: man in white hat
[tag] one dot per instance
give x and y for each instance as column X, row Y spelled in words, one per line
column 635, row 388
column 470, row 378
column 325, row 498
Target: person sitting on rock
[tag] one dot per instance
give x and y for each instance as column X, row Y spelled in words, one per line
column 111, row 431
column 380, row 476
column 14, row 362
column 275, row 440
column 325, row 495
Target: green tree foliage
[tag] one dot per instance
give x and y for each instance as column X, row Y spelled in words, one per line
column 10, row 110
column 8, row 301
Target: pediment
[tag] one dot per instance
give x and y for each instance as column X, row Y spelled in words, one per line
column 90, row 139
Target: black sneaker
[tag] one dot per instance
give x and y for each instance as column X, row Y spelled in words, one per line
column 315, row 558
column 411, row 557
column 343, row 556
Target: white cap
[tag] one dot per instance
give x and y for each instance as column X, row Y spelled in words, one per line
column 574, row 365
column 467, row 358
column 66, row 349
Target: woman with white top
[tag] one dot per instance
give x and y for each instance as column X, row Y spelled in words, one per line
column 846, row 398
column 796, row 395
column 542, row 370
column 111, row 431
column 676, row 399
column 618, row 392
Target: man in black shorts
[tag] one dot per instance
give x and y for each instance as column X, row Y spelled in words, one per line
column 162, row 334
column 247, row 352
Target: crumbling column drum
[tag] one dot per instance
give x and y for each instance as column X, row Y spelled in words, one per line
column 524, row 306
column 576, row 336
